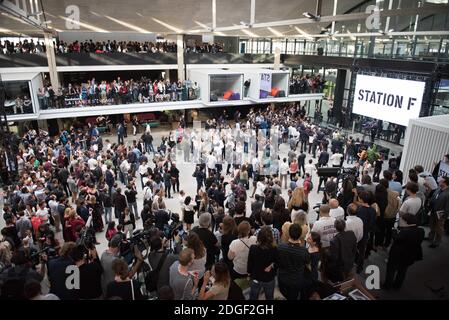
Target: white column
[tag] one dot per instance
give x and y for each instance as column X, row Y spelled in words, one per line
column 50, row 48
column 180, row 54
column 167, row 75
column 277, row 58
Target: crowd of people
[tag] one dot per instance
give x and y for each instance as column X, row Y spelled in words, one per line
column 211, row 247
column 90, row 46
column 118, row 91
column 306, row 84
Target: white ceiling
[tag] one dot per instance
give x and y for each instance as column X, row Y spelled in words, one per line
column 183, row 16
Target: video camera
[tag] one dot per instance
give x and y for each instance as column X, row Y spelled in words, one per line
column 49, row 251
column 171, row 230
column 348, row 174
column 140, row 239
column 86, row 239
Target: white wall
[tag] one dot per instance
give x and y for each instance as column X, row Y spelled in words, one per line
column 426, row 142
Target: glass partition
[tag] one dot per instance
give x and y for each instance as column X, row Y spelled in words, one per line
column 225, row 87
column 18, row 98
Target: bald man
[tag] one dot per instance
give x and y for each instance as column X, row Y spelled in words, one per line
column 336, row 211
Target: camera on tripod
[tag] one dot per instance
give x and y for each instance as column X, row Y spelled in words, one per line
column 86, row 239
column 49, row 251
column 140, row 239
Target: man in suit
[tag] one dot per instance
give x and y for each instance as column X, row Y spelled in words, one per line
column 119, row 203
column 323, row 158
column 342, row 253
column 405, row 251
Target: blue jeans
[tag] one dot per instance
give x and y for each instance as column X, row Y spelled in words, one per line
column 133, row 209
column 107, row 215
column 268, row 288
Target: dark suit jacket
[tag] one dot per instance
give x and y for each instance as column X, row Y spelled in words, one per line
column 323, row 158
column 120, row 202
column 343, row 248
column 406, row 248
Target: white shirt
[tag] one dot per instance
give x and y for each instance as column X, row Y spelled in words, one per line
column 355, row 224
column 143, row 169
column 255, row 164
column 283, row 168
column 325, row 228
column 336, row 159
column 211, row 161
column 92, row 163
column 337, row 213
column 42, row 213
column 260, row 188
column 181, row 201
column 124, row 166
column 147, row 193
column 241, row 249
column 309, row 168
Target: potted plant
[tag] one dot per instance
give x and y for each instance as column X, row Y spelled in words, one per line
column 373, row 154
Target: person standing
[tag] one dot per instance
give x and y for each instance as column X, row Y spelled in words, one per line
column 174, row 173
column 119, row 203
column 439, row 211
column 368, row 216
column 131, row 194
column 292, row 260
column 239, row 250
column 261, row 261
column 183, row 282
column 342, row 253
column 301, row 163
column 391, row 211
column 120, row 133
column 283, row 172
column 325, row 226
column 404, row 252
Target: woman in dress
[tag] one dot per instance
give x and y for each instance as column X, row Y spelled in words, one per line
column 96, row 211
column 189, row 209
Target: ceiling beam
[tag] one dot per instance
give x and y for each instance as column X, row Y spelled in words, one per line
column 425, row 10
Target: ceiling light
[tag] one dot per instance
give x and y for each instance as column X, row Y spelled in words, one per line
column 128, row 25
column 311, row 16
column 275, row 32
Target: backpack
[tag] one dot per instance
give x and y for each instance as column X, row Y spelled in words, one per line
column 152, row 278
column 310, row 185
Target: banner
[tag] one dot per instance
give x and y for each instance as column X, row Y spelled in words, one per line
column 265, row 82
column 393, row 100
column 444, row 169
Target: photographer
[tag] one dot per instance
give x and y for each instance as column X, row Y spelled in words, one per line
column 111, row 254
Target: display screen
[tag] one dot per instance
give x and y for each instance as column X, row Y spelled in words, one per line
column 392, row 100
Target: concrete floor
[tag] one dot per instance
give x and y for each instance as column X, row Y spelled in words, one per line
column 432, row 272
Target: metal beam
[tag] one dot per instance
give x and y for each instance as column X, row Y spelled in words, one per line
column 214, row 14
column 252, row 19
column 318, row 8
column 426, row 10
